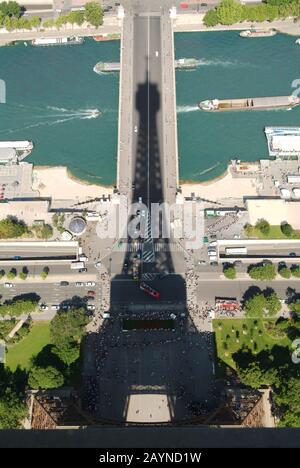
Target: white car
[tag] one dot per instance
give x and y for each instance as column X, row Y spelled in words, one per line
column 79, row 284
column 44, row 307
column 55, row 307
column 90, row 283
column 90, row 307
column 140, row 200
column 213, row 243
column 135, row 129
column 8, row 285
column 156, row 53
column 98, row 264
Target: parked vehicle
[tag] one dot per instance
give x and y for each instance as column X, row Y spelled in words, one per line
column 8, row 285
column 64, row 283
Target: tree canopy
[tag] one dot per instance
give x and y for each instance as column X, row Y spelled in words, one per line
column 94, row 13
column 45, row 377
column 262, row 272
column 11, row 228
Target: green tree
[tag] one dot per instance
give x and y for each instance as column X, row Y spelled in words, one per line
column 68, row 352
column 263, row 226
column 94, row 13
column 11, row 227
column 12, row 274
column 264, row 272
column 229, row 12
column 273, row 304
column 211, row 18
column 288, row 398
column 229, row 271
column 45, row 272
column 68, row 326
column 10, row 9
column 285, row 272
column 287, row 229
column 295, row 269
column 18, row 307
column 45, row 377
column 23, row 274
column 12, row 410
column 255, row 305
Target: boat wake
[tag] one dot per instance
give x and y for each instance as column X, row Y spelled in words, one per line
column 211, row 168
column 185, row 109
column 223, row 63
column 59, row 116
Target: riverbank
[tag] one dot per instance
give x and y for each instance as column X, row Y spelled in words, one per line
column 194, row 23
column 221, row 188
column 56, row 182
column 111, row 25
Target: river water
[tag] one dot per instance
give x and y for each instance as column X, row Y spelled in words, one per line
column 52, row 91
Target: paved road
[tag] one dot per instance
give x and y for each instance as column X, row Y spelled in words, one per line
column 36, row 251
column 52, row 294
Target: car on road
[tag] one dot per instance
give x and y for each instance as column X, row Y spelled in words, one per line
column 135, row 129
column 214, row 264
column 17, row 257
column 213, row 243
column 98, row 264
column 90, row 307
column 55, row 307
column 140, row 200
column 156, row 53
column 64, row 283
column 82, row 270
column 79, row 284
column 91, row 293
column 8, row 285
column 292, row 254
column 90, row 283
column 44, row 307
column 201, row 262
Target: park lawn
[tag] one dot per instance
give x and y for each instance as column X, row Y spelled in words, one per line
column 22, row 353
column 264, row 341
column 274, row 233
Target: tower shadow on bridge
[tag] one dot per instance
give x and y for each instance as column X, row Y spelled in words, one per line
column 148, row 363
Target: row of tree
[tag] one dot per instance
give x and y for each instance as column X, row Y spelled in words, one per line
column 231, row 11
column 263, row 271
column 23, row 274
column 11, row 17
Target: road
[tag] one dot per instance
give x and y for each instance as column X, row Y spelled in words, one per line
column 53, row 294
column 38, row 251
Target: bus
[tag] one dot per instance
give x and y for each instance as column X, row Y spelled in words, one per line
column 150, row 291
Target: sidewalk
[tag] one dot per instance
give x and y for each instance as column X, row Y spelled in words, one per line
column 194, row 22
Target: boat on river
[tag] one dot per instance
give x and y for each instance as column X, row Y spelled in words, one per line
column 55, row 41
column 258, row 33
column 262, row 103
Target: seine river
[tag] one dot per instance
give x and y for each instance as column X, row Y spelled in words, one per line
column 52, row 91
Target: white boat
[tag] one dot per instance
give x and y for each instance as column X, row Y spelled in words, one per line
column 297, row 41
column 258, row 33
column 52, row 41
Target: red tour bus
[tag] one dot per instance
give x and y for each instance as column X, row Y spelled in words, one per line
column 150, row 291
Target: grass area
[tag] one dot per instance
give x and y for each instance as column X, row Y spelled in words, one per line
column 255, row 334
column 274, row 233
column 22, row 353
